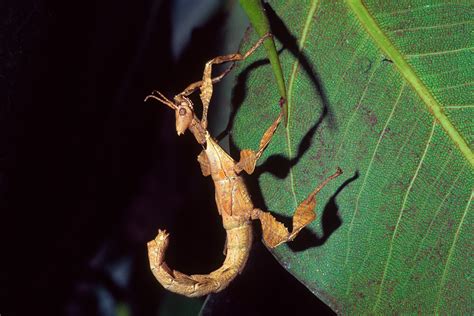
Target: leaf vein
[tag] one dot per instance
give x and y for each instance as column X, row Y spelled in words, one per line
column 407, row 140
column 351, row 62
column 454, row 107
column 430, row 27
column 359, row 103
column 448, row 193
column 411, row 77
column 400, row 215
column 464, row 84
column 304, row 35
column 452, row 51
column 417, row 8
column 369, row 167
column 450, row 253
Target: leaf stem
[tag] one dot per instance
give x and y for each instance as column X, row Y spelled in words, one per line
column 259, row 20
column 410, row 76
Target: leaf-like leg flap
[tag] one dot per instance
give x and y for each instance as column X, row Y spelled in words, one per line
column 274, row 232
column 196, row 85
column 204, row 163
column 206, row 91
column 183, row 279
column 203, row 278
column 248, row 157
column 206, row 86
column 247, row 162
column 267, row 136
column 304, row 215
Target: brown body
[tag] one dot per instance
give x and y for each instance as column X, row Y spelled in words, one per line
column 232, row 198
column 235, row 207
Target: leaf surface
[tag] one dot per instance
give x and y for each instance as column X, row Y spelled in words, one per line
column 382, row 89
column 258, row 19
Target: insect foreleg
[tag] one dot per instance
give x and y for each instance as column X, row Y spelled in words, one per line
column 206, row 87
column 196, row 85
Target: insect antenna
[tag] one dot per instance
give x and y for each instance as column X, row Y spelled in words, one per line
column 160, row 97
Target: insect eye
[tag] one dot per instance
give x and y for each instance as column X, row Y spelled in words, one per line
column 184, row 118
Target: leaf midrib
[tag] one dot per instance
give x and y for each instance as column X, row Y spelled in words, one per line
column 434, row 107
column 304, row 35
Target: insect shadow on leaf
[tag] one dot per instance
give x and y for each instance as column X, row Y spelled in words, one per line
column 330, row 221
column 279, row 165
column 290, row 42
column 232, row 198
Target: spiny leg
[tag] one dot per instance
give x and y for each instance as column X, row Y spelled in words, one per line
column 275, row 233
column 248, row 157
column 196, row 85
column 206, row 86
column 157, row 95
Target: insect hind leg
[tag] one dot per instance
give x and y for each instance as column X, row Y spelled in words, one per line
column 275, row 233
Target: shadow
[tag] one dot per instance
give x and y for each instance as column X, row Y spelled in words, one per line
column 290, row 42
column 264, row 288
column 279, row 165
column 330, row 221
column 239, row 93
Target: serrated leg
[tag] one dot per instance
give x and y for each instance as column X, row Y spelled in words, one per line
column 275, row 233
column 204, row 163
column 196, row 85
column 206, row 85
column 248, row 157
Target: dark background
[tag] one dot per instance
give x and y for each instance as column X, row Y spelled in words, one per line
column 89, row 172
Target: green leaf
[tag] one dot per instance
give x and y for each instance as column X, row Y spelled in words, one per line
column 258, row 19
column 382, row 89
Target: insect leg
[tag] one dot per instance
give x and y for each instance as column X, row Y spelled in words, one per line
column 206, row 86
column 275, row 233
column 196, row 85
column 248, row 157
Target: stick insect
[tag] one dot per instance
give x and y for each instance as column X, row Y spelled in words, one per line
column 232, row 198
